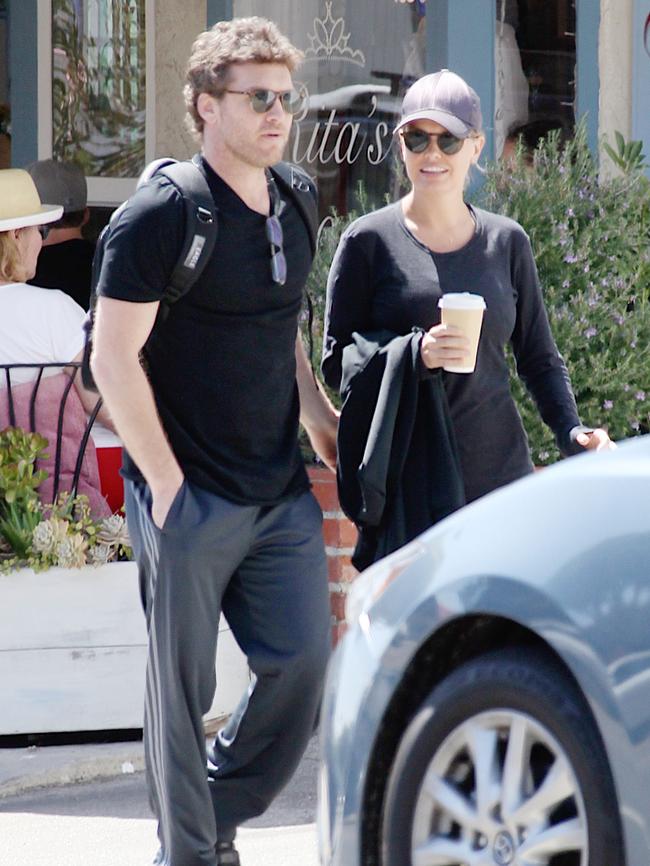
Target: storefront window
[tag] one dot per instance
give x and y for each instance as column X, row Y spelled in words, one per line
column 99, row 85
column 535, row 65
column 360, row 57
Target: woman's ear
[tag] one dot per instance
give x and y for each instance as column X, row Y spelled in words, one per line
column 398, row 141
column 479, row 143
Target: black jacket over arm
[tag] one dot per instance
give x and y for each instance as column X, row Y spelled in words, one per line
column 398, row 470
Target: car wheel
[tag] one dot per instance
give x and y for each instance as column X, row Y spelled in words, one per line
column 501, row 766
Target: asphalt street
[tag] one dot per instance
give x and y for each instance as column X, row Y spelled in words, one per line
column 108, row 823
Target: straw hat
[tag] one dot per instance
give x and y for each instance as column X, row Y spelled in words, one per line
column 20, row 205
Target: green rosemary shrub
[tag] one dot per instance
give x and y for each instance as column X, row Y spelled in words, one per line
column 591, row 240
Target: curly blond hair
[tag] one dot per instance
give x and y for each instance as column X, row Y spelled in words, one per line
column 11, row 268
column 242, row 40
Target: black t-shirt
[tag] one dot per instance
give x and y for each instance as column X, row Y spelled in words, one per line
column 382, row 277
column 67, row 266
column 222, row 365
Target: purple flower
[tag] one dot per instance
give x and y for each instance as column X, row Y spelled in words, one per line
column 570, row 212
column 633, row 344
column 607, row 404
column 626, row 387
column 640, row 395
column 566, row 284
column 570, row 258
column 586, row 268
column 590, row 332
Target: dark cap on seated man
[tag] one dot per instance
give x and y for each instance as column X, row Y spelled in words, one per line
column 65, row 262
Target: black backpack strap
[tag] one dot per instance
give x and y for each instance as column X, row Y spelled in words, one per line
column 200, row 225
column 296, row 183
column 200, row 235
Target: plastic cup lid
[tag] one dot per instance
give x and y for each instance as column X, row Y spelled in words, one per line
column 462, row 301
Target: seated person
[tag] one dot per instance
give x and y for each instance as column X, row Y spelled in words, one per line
column 66, row 259
column 39, row 326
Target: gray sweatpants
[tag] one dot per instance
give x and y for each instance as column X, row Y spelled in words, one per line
column 264, row 567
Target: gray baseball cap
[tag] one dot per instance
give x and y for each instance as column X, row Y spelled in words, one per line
column 61, row 183
column 446, row 99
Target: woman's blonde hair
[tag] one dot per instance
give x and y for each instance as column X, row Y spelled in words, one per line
column 11, row 268
column 242, row 40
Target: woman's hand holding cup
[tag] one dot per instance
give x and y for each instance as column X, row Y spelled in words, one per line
column 444, row 346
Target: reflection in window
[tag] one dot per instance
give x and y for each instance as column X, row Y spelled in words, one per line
column 357, row 66
column 535, row 60
column 98, row 86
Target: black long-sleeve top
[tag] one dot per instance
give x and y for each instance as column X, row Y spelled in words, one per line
column 383, row 277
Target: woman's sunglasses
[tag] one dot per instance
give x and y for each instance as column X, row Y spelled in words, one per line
column 43, row 231
column 417, row 141
column 263, row 100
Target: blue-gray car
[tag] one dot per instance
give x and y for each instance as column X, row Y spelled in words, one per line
column 490, row 702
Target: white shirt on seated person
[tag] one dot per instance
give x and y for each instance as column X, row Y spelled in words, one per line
column 43, row 326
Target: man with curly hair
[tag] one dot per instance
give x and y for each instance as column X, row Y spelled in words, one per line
column 218, row 500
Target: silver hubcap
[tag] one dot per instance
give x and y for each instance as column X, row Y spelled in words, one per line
column 499, row 791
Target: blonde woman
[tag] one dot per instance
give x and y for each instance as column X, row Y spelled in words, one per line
column 390, row 270
column 36, row 326
column 41, row 327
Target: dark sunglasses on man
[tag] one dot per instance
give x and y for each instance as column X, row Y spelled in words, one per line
column 262, row 100
column 417, row 141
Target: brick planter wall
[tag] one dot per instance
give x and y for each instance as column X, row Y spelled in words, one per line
column 340, row 536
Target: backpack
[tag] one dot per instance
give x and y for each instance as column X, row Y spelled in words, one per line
column 201, row 227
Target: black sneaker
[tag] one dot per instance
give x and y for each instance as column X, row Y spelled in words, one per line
column 227, row 854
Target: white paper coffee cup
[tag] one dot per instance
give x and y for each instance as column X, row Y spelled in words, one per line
column 464, row 310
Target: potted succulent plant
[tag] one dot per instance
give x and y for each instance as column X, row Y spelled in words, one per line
column 73, row 640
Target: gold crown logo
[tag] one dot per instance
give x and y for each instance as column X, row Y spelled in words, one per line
column 329, row 41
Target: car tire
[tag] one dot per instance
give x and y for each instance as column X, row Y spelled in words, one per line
column 482, row 770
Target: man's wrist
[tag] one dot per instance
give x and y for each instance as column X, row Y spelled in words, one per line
column 169, row 484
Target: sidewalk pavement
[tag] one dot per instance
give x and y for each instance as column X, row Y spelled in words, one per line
column 45, row 820
column 32, row 767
